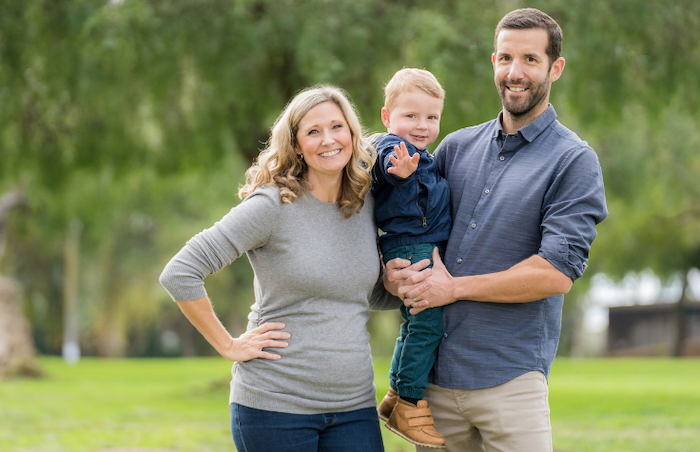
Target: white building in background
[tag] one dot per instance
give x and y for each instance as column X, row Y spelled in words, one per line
column 651, row 298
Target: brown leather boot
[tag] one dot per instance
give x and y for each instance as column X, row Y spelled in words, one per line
column 415, row 424
column 387, row 405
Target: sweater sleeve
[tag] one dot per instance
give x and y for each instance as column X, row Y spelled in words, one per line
column 381, row 299
column 247, row 226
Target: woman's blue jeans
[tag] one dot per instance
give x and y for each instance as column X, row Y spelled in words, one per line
column 266, row 431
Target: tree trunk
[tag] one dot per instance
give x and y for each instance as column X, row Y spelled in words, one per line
column 681, row 319
column 71, row 255
column 17, row 352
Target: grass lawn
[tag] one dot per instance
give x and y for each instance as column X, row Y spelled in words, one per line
column 625, row 405
column 159, row 405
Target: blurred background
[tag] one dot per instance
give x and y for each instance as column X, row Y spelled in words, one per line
column 126, row 127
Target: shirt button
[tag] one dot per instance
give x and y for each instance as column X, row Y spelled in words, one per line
column 444, row 335
column 501, row 158
column 459, row 261
column 487, row 191
column 473, row 225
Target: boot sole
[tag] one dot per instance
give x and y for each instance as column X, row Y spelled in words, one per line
column 382, row 417
column 411, row 440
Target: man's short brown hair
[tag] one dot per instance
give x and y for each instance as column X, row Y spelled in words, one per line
column 527, row 18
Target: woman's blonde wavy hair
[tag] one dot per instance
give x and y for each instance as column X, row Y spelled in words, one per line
column 279, row 165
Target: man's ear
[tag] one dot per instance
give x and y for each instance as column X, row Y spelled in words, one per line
column 385, row 117
column 557, row 69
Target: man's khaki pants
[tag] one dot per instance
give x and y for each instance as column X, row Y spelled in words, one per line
column 512, row 417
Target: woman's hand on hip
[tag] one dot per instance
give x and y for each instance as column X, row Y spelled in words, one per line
column 250, row 344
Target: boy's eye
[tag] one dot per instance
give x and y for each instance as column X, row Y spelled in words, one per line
column 432, row 117
column 411, row 116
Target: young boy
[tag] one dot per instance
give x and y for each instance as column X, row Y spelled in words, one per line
column 412, row 208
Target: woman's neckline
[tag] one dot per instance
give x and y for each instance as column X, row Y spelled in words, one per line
column 330, row 203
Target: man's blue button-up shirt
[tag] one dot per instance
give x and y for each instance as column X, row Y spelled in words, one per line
column 536, row 192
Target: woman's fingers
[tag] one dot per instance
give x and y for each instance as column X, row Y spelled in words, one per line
column 268, row 326
column 268, row 355
column 250, row 344
column 268, row 335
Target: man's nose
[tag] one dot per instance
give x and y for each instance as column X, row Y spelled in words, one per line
column 516, row 70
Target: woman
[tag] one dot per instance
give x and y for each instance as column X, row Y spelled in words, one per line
column 303, row 375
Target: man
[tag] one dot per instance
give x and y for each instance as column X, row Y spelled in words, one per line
column 527, row 194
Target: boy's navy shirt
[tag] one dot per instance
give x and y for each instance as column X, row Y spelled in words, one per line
column 413, row 210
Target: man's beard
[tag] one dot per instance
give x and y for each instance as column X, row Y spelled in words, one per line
column 521, row 107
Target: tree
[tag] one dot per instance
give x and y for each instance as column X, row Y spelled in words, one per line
column 139, row 118
column 17, row 352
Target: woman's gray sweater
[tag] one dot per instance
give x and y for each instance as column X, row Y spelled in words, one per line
column 317, row 272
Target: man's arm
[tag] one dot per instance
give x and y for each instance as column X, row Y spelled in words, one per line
column 530, row 280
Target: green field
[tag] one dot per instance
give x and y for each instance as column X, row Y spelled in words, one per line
column 159, row 405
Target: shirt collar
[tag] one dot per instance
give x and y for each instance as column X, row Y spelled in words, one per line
column 532, row 130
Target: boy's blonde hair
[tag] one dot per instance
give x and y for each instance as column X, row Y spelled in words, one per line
column 408, row 78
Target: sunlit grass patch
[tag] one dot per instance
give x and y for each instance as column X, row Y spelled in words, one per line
column 156, row 405
column 612, row 405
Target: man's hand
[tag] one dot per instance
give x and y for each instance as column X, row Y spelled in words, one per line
column 428, row 289
column 404, row 165
column 399, row 270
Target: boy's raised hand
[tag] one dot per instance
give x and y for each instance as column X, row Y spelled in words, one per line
column 404, row 165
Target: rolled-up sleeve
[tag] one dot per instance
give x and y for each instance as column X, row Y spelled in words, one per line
column 573, row 206
column 381, row 299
